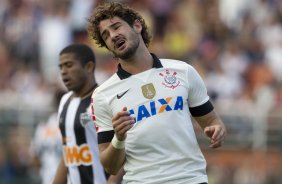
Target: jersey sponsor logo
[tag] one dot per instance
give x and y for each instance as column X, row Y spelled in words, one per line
column 121, row 95
column 155, row 107
column 77, row 155
column 50, row 132
column 148, row 91
column 170, row 79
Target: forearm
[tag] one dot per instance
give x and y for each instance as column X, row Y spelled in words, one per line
column 213, row 128
column 111, row 158
column 209, row 119
column 61, row 174
column 116, row 179
column 112, row 154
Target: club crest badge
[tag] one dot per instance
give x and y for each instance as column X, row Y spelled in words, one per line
column 148, row 91
column 84, row 118
column 170, row 79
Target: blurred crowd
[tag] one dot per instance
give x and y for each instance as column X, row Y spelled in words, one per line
column 236, row 45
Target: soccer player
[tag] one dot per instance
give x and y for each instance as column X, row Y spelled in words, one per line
column 80, row 163
column 142, row 112
column 46, row 147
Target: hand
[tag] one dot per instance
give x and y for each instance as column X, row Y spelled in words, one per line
column 122, row 122
column 217, row 134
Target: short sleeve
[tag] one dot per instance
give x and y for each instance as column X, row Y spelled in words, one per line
column 197, row 92
column 101, row 112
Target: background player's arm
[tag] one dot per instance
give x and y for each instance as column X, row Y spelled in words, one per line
column 61, row 173
column 213, row 128
column 116, row 179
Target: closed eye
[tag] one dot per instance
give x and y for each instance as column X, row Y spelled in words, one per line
column 104, row 36
column 105, row 33
column 116, row 26
column 68, row 64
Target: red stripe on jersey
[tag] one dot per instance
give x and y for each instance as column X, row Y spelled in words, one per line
column 97, row 128
column 93, row 116
column 92, row 109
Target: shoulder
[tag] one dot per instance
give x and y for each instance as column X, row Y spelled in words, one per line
column 173, row 63
column 65, row 97
column 178, row 65
column 63, row 100
column 107, row 84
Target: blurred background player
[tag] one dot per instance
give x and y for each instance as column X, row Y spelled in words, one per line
column 46, row 147
column 80, row 163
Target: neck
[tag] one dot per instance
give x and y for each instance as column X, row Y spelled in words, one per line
column 139, row 62
column 86, row 91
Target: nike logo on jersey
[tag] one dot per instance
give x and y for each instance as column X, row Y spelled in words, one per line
column 121, row 95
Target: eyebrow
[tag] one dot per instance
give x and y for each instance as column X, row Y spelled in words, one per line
column 111, row 26
column 65, row 63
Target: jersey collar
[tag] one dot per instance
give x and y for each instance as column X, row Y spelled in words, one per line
column 124, row 74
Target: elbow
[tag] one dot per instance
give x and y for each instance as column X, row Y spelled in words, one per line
column 112, row 160
column 110, row 168
column 111, row 171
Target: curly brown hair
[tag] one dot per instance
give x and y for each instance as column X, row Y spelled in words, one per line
column 111, row 10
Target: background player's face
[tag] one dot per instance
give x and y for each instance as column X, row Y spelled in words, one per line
column 120, row 38
column 73, row 74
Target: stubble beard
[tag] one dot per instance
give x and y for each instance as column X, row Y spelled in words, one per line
column 129, row 52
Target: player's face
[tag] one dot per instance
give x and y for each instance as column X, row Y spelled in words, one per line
column 121, row 39
column 72, row 72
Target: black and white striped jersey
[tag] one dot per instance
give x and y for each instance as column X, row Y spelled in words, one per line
column 80, row 149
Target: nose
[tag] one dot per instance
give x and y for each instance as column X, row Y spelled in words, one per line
column 113, row 35
column 63, row 70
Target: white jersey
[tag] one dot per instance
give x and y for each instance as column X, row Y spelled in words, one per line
column 80, row 148
column 47, row 147
column 161, row 147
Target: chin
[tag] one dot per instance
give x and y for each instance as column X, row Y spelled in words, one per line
column 69, row 88
column 126, row 55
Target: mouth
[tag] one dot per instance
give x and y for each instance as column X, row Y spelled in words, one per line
column 120, row 44
column 66, row 81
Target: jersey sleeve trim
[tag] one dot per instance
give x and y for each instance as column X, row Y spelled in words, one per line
column 104, row 137
column 202, row 109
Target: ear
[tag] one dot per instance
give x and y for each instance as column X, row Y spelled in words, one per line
column 90, row 66
column 137, row 26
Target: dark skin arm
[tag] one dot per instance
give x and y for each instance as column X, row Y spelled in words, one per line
column 61, row 173
column 116, row 179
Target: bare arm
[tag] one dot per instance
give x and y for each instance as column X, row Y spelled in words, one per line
column 61, row 173
column 113, row 158
column 213, row 128
column 116, row 179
